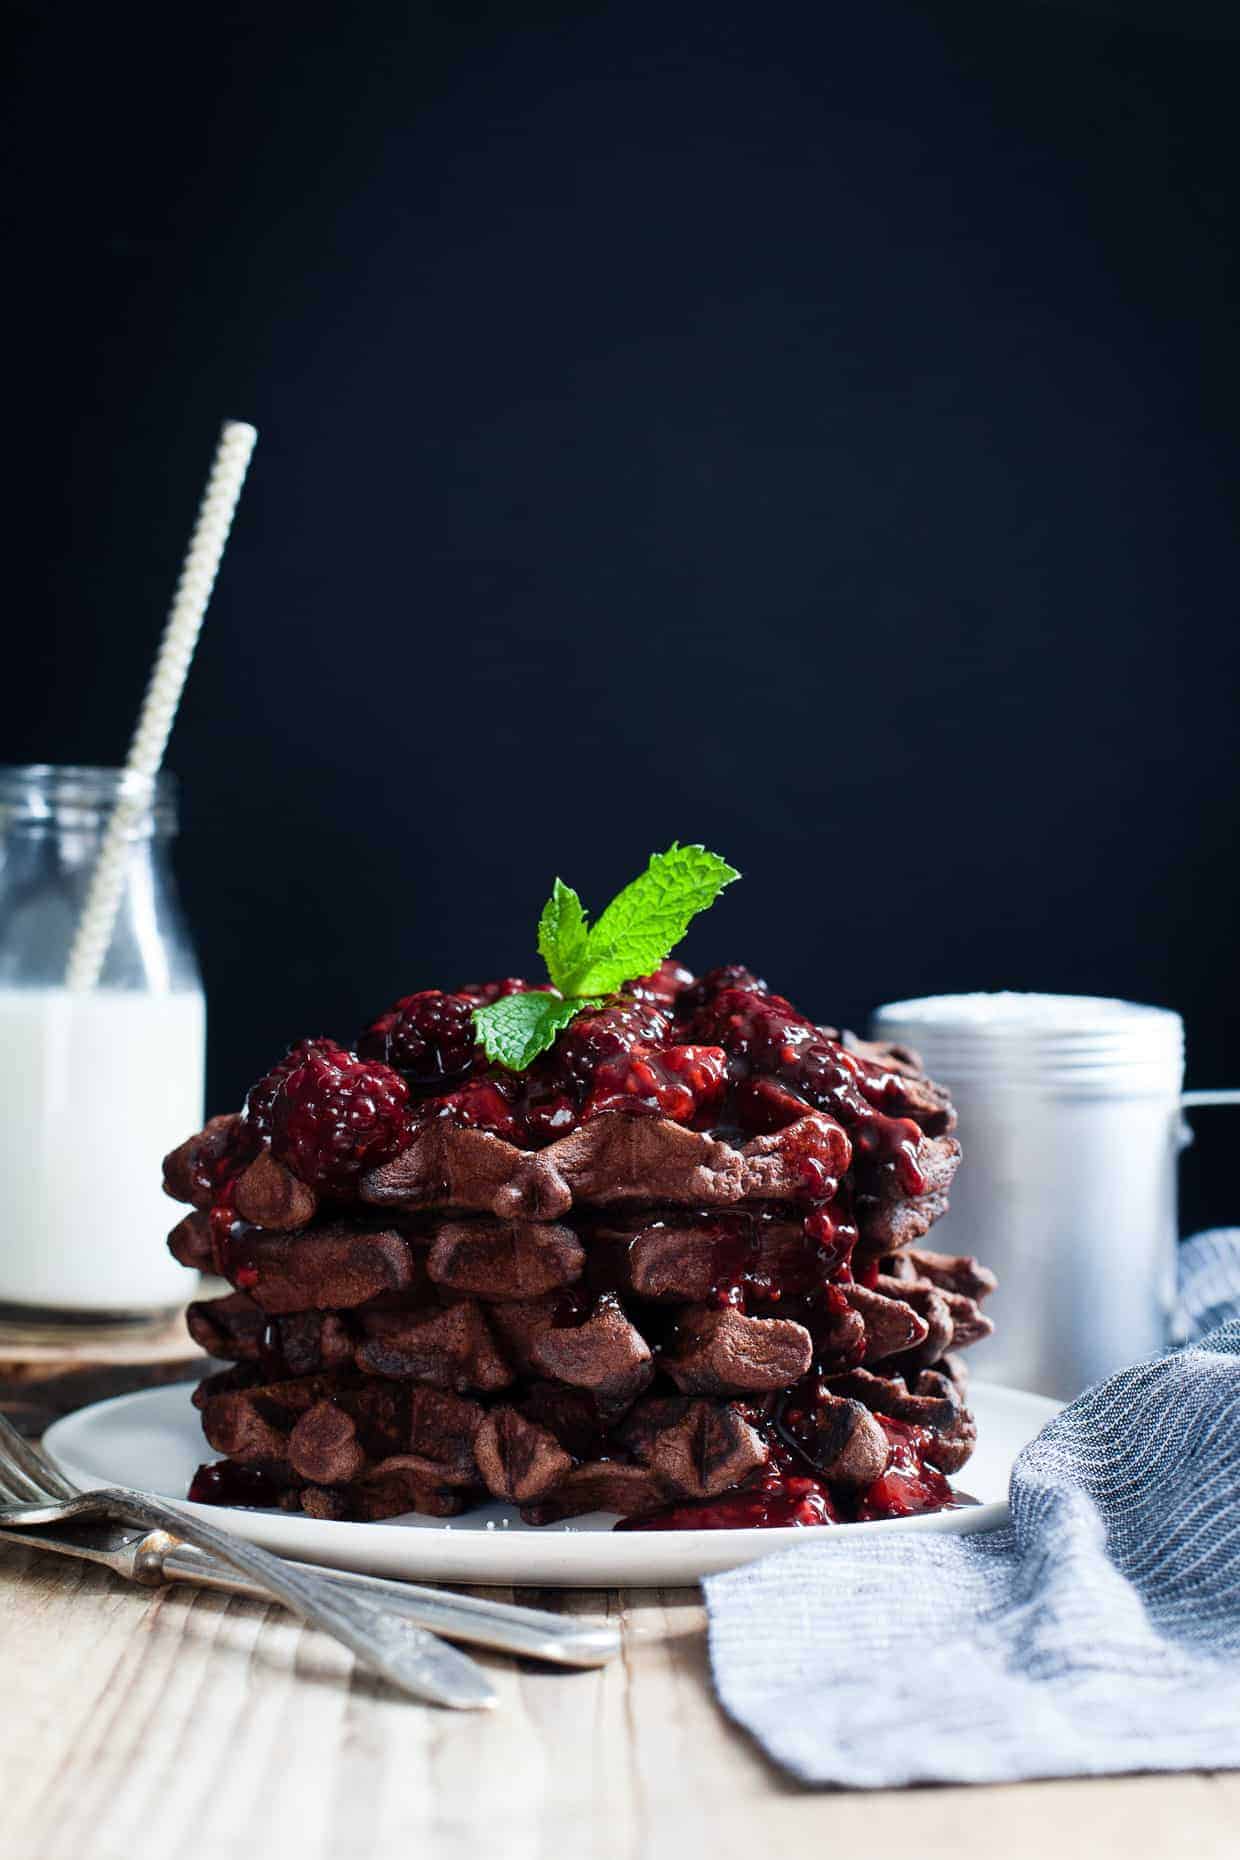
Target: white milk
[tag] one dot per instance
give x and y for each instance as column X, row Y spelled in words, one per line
column 94, row 1090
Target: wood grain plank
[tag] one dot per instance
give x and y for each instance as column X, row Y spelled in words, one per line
column 139, row 1725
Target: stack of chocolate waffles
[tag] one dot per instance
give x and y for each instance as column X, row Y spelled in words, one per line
column 672, row 1270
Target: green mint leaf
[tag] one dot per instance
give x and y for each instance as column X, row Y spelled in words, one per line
column 516, row 1028
column 637, row 930
column 562, row 935
column 644, row 923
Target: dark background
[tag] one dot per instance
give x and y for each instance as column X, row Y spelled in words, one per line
column 809, row 429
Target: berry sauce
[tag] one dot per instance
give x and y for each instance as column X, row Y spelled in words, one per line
column 227, row 1483
column 329, row 1115
column 909, row 1484
column 721, row 1055
column 780, row 1065
column 429, row 1037
column 782, row 1496
column 782, row 1500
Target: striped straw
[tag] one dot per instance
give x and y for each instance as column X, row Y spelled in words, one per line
column 159, row 707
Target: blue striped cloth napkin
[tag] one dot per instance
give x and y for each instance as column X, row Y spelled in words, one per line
column 1098, row 1633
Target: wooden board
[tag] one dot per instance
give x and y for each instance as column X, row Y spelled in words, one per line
column 141, row 1725
column 40, row 1351
column 138, row 1726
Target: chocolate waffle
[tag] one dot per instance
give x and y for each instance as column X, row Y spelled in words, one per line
column 669, row 1272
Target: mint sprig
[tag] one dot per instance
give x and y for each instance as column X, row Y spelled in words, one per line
column 585, row 962
column 644, row 923
column 516, row 1028
column 563, row 937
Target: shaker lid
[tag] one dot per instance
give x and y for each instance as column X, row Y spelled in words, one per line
column 1008, row 1037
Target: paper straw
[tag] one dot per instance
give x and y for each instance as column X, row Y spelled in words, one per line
column 159, row 707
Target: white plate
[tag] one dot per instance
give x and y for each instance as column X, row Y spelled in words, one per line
column 153, row 1441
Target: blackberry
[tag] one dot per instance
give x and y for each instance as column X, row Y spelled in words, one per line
column 608, row 1035
column 428, row 1036
column 483, row 993
column 261, row 1097
column 335, row 1116
column 731, row 975
column 685, row 1083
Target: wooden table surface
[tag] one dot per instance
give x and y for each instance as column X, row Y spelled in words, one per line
column 140, row 1725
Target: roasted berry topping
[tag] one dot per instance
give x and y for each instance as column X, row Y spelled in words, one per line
column 669, row 980
column 480, row 993
column 730, row 975
column 764, row 1034
column 685, row 1083
column 428, row 1036
column 261, row 1098
column 909, row 1484
column 492, row 1101
column 778, row 1496
column 608, row 1036
column 333, row 1116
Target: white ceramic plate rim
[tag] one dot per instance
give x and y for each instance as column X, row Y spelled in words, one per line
column 490, row 1545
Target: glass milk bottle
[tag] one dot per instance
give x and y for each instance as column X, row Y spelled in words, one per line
column 97, row 1086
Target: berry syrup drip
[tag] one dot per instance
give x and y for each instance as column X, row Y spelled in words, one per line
column 760, row 1276
column 781, row 1499
column 785, row 1495
column 272, row 1359
column 571, row 1306
column 766, row 1260
column 219, row 1175
column 833, row 1228
column 838, row 1332
column 759, row 1257
column 229, row 1234
column 767, row 1039
column 233, row 1243
column 226, row 1483
column 223, row 1218
column 909, row 1484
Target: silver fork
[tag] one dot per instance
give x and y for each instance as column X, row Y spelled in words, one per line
column 38, row 1493
column 409, row 1656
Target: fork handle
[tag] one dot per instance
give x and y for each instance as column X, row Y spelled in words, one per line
column 407, row 1655
column 533, row 1633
